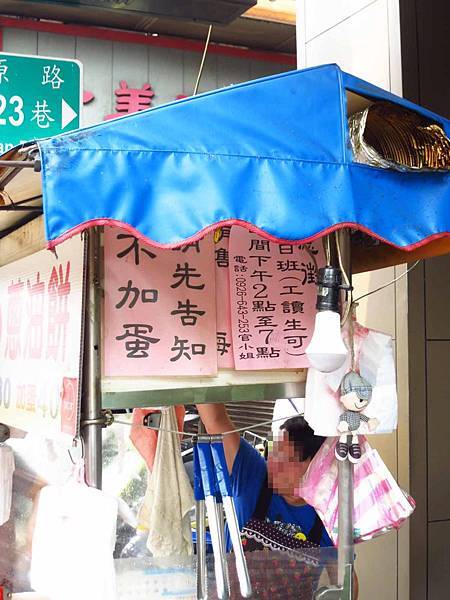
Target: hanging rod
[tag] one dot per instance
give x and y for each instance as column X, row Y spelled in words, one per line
column 22, row 164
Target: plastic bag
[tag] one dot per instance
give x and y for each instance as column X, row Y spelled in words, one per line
column 6, row 482
column 379, row 503
column 375, row 362
column 73, row 543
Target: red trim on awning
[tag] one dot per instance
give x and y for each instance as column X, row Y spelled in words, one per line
column 252, row 228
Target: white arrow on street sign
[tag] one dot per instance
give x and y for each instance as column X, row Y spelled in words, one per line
column 67, row 114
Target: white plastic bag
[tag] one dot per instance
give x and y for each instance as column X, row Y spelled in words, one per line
column 6, row 482
column 375, row 361
column 73, row 543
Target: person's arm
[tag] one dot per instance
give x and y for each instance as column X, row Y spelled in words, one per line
column 216, row 420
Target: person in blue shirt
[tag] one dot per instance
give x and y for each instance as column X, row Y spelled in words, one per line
column 288, row 459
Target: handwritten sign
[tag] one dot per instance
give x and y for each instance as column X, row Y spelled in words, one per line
column 160, row 313
column 225, row 357
column 40, row 340
column 273, row 295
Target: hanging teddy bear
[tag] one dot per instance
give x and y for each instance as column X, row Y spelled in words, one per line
column 356, row 394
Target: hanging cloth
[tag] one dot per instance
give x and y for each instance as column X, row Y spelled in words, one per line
column 169, row 497
column 144, row 439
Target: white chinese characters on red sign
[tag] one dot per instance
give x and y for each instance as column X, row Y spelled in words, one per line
column 273, row 294
column 40, row 340
column 160, row 314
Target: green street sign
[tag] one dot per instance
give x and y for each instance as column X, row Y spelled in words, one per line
column 39, row 97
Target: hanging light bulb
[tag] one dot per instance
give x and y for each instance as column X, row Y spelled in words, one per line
column 326, row 351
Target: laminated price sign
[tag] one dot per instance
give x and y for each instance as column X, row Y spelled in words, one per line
column 39, row 97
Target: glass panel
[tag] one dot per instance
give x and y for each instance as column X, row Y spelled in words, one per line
column 273, row 575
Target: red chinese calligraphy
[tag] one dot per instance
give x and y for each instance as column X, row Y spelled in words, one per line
column 87, row 96
column 58, row 311
column 35, row 327
column 130, row 100
column 14, row 320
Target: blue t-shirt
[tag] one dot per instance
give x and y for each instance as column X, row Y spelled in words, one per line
column 247, row 477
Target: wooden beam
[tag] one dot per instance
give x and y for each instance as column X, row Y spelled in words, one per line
column 24, row 241
column 278, row 11
column 384, row 255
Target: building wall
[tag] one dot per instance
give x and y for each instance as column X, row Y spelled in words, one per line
column 430, row 414
column 169, row 71
column 363, row 38
column 426, row 43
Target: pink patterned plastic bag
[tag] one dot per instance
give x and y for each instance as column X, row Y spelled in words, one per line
column 379, row 503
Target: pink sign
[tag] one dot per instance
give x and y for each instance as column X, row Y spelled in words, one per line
column 160, row 314
column 224, row 344
column 273, row 296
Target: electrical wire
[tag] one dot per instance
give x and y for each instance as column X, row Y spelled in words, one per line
column 387, row 284
column 349, row 302
column 202, row 64
column 341, row 265
column 186, row 433
column 326, row 248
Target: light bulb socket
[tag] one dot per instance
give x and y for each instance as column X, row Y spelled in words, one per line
column 329, row 285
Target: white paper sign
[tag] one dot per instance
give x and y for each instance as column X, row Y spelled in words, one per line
column 40, row 340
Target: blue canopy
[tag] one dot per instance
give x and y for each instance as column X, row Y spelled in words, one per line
column 271, row 154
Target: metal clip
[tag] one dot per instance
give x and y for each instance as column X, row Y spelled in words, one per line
column 105, row 420
column 152, row 420
column 334, row 592
column 76, row 442
column 5, row 433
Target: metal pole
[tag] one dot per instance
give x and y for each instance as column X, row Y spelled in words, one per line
column 345, row 516
column 345, row 468
column 91, row 396
column 344, row 588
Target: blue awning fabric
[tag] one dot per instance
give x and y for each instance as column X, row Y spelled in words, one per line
column 271, row 154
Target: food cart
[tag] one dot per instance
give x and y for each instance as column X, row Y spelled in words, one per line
column 272, row 156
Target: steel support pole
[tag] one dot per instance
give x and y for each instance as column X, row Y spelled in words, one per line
column 91, row 394
column 345, row 516
column 345, row 468
column 344, row 588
